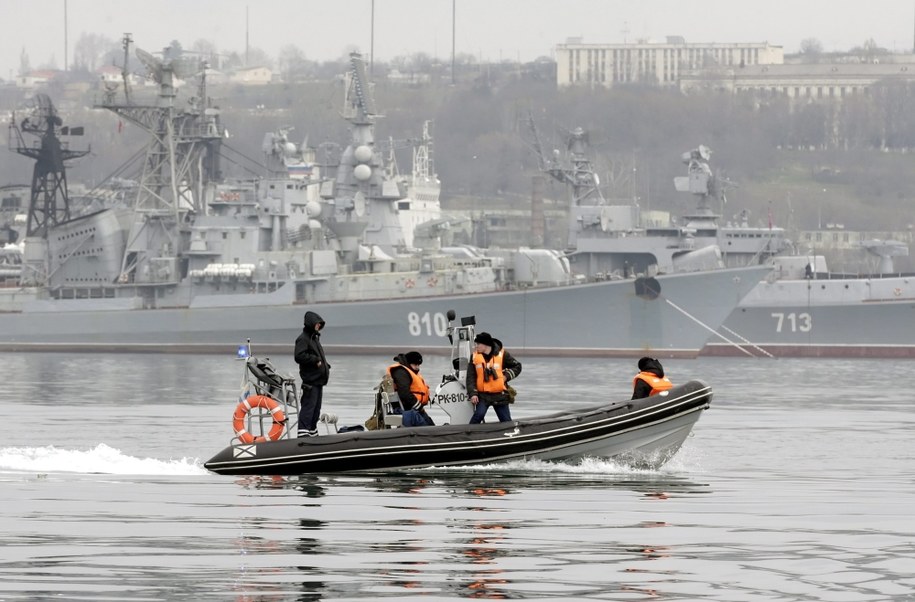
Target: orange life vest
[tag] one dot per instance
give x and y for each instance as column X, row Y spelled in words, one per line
column 657, row 383
column 418, row 386
column 489, row 374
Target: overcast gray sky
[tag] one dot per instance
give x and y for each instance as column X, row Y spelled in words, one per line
column 491, row 29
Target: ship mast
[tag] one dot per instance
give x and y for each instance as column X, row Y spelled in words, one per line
column 49, row 203
column 178, row 163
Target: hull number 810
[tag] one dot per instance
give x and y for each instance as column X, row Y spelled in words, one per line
column 427, row 324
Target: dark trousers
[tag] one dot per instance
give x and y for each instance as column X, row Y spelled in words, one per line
column 310, row 409
column 502, row 411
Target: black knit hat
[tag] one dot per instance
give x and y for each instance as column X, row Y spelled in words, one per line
column 485, row 338
column 414, row 357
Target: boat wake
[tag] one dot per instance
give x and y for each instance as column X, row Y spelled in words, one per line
column 101, row 459
column 586, row 466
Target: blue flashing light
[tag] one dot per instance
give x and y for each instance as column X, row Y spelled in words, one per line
column 243, row 352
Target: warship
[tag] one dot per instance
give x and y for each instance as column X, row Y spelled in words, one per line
column 198, row 264
column 607, row 239
column 800, row 308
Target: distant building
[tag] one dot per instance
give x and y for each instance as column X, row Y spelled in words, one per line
column 252, row 76
column 655, row 63
column 35, row 79
column 413, row 77
column 807, row 81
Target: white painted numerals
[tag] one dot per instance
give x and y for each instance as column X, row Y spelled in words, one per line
column 792, row 322
column 426, row 324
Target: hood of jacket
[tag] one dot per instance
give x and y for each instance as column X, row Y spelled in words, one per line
column 312, row 319
column 650, row 364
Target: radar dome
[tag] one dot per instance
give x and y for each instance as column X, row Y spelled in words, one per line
column 362, row 172
column 363, row 154
column 312, row 209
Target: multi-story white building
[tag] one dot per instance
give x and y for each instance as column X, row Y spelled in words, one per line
column 652, row 62
column 811, row 81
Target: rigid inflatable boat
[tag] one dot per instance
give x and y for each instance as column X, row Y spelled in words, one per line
column 639, row 432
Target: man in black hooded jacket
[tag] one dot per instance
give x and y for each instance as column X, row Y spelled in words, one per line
column 315, row 372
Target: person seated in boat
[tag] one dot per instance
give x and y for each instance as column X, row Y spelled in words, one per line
column 487, row 378
column 411, row 388
column 650, row 380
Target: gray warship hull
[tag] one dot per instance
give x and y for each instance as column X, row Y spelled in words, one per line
column 839, row 317
column 604, row 318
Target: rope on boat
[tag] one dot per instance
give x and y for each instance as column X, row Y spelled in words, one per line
column 328, row 420
column 718, row 334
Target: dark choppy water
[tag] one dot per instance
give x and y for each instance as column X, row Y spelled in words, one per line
column 798, row 484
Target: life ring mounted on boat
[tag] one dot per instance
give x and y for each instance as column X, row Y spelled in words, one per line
column 897, row 291
column 409, row 283
column 433, row 281
column 258, row 401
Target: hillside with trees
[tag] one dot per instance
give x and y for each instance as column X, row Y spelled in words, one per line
column 804, row 164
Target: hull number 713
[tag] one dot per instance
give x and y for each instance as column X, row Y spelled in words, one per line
column 792, row 322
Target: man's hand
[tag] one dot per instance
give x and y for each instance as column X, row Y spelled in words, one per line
column 474, row 400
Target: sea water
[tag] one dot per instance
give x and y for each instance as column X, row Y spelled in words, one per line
column 797, row 484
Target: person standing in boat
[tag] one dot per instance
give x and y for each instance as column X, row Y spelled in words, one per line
column 314, row 371
column 650, row 380
column 411, row 389
column 487, row 378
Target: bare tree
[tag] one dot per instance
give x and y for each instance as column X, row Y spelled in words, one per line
column 811, row 49
column 292, row 64
column 24, row 64
column 90, row 50
column 207, row 51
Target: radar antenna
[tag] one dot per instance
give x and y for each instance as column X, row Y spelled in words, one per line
column 572, row 168
column 181, row 158
column 49, row 203
column 700, row 181
column 359, row 103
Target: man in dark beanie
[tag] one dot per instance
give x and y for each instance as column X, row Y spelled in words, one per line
column 411, row 388
column 650, row 380
column 491, row 367
column 315, row 372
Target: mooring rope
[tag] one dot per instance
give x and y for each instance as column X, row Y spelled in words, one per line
column 718, row 334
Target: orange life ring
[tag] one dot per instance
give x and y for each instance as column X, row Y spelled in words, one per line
column 410, row 283
column 258, row 401
column 897, row 291
column 433, row 281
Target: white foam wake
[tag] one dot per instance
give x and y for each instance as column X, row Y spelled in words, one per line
column 99, row 460
column 585, row 466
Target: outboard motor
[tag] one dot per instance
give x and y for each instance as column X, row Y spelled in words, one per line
column 451, row 395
